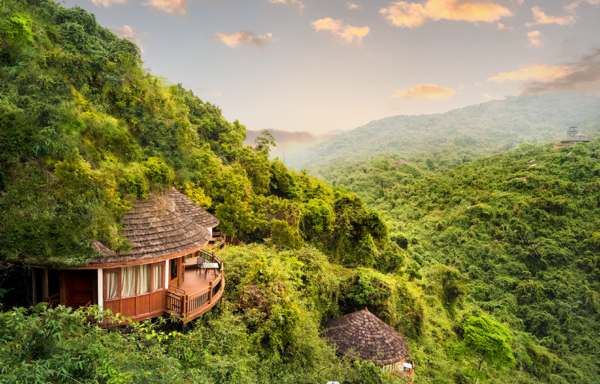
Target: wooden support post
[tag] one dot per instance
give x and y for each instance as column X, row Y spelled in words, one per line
column 100, row 299
column 185, row 303
column 33, row 287
column 210, row 286
column 45, row 292
column 167, row 275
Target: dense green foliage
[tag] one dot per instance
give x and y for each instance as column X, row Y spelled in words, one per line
column 84, row 130
column 489, row 269
column 266, row 331
column 448, row 139
column 521, row 231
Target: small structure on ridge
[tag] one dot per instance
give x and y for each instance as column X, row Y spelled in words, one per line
column 373, row 340
column 573, row 138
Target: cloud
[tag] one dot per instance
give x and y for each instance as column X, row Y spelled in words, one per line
column 583, row 75
column 126, row 32
column 425, row 91
column 107, row 3
column 535, row 39
column 410, row 15
column 541, row 18
column 461, row 87
column 296, row 5
column 282, row 137
column 235, row 39
column 571, row 7
column 569, row 18
column 352, row 6
column 343, row 31
column 542, row 73
column 288, row 141
column 178, row 7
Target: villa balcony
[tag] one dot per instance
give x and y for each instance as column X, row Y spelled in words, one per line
column 200, row 290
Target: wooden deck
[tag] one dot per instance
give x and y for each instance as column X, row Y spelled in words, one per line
column 194, row 282
column 198, row 293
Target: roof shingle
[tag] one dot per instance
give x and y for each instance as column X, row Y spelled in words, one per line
column 162, row 226
column 370, row 337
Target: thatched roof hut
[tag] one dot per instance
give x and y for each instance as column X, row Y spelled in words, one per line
column 371, row 338
column 578, row 138
column 166, row 230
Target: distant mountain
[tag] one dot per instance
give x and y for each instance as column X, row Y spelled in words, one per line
column 335, row 132
column 460, row 134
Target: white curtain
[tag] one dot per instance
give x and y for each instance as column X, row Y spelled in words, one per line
column 128, row 281
column 143, row 281
column 112, row 285
column 157, row 277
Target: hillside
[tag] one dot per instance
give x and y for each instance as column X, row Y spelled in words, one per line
column 85, row 129
column 487, row 276
column 460, row 135
column 522, row 228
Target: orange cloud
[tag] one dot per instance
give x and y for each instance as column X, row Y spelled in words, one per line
column 581, row 75
column 425, row 91
column 535, row 72
column 236, row 39
column 410, row 15
column 541, row 18
column 178, row 7
column 346, row 32
column 535, row 39
column 296, row 5
column 107, row 3
column 352, row 6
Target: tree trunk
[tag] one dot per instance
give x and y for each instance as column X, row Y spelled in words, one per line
column 480, row 367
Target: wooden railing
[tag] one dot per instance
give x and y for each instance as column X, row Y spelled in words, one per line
column 54, row 300
column 174, row 302
column 219, row 241
column 188, row 307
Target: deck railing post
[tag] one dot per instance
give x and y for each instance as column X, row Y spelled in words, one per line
column 185, row 303
column 210, row 294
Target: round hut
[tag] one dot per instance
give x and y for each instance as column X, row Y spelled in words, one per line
column 373, row 340
column 573, row 138
column 167, row 233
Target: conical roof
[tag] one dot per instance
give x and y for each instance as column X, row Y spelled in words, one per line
column 165, row 225
column 366, row 334
column 578, row 137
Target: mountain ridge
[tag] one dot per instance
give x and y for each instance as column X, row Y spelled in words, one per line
column 472, row 131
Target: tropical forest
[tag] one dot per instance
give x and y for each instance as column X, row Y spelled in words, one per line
column 484, row 255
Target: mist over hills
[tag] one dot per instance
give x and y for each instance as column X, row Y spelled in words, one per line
column 462, row 134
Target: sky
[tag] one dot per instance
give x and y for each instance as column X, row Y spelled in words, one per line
column 323, row 65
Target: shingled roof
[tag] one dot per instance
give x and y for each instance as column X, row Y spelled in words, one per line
column 164, row 225
column 366, row 334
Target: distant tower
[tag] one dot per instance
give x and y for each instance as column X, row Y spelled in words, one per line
column 572, row 131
